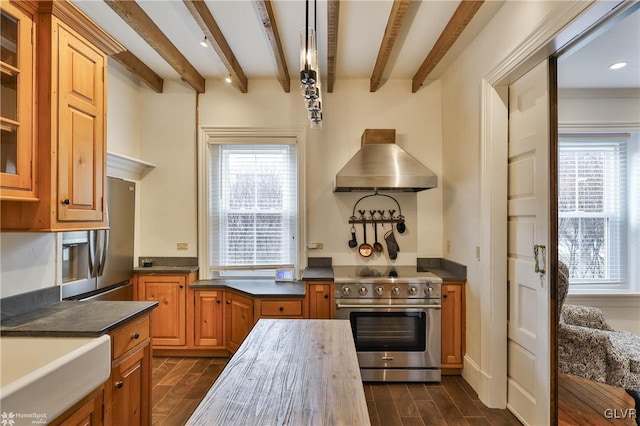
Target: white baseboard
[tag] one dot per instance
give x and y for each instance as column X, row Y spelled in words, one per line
column 471, row 373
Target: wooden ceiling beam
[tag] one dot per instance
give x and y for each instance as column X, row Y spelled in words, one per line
column 333, row 18
column 396, row 17
column 138, row 68
column 456, row 25
column 141, row 23
column 209, row 27
column 270, row 26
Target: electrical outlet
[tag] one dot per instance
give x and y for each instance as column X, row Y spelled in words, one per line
column 316, row 246
column 448, row 246
column 477, row 252
column 182, row 246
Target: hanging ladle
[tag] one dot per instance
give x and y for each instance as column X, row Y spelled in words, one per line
column 377, row 246
column 365, row 249
column 353, row 243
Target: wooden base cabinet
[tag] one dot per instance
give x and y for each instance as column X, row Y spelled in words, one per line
column 128, row 391
column 238, row 318
column 170, row 317
column 208, row 318
column 453, row 325
column 321, row 299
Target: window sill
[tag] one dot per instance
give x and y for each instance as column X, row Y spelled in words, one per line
column 604, row 293
column 619, row 299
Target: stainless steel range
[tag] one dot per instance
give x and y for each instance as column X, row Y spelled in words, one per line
column 395, row 315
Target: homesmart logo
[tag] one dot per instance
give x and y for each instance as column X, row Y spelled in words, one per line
column 17, row 419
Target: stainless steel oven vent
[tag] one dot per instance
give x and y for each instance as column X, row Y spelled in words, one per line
column 381, row 165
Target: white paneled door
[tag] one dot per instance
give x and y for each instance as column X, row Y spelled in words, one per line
column 528, row 230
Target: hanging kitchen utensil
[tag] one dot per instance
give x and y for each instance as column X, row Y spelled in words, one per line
column 365, row 249
column 392, row 244
column 353, row 243
column 377, row 246
column 401, row 227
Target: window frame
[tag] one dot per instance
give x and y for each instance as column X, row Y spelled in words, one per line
column 582, row 286
column 215, row 135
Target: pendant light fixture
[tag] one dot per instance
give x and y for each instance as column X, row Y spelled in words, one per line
column 309, row 70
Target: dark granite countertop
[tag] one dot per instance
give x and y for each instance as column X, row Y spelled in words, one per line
column 311, row 274
column 164, row 269
column 256, row 287
column 447, row 275
column 74, row 319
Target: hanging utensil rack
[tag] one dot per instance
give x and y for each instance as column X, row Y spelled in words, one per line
column 382, row 218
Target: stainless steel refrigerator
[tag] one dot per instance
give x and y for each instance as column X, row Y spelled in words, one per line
column 98, row 265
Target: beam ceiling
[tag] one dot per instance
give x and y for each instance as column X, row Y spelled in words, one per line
column 209, row 27
column 141, row 23
column 270, row 26
column 456, row 25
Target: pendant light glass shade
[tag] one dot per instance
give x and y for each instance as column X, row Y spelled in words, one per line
column 310, row 73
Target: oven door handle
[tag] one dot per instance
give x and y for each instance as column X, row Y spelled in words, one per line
column 343, row 306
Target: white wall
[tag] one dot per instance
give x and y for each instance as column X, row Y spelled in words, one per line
column 28, row 262
column 347, row 112
column 168, row 192
column 462, row 152
column 124, row 112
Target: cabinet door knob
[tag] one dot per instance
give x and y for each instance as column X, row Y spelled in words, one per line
column 217, row 300
column 136, row 335
column 326, row 296
column 281, row 309
column 66, row 202
column 228, row 302
column 444, row 296
column 119, row 384
column 181, row 286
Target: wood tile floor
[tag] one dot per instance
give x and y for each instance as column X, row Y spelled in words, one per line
column 450, row 402
column 584, row 402
column 179, row 384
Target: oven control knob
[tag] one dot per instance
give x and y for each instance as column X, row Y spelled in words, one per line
column 346, row 290
column 395, row 291
column 428, row 290
column 362, row 290
column 412, row 291
column 379, row 290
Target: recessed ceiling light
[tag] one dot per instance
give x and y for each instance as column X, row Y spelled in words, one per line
column 228, row 80
column 618, row 65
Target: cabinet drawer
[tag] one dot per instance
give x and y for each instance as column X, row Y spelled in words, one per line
column 280, row 307
column 130, row 336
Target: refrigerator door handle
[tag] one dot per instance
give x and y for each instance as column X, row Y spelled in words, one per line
column 93, row 258
column 103, row 255
column 105, row 242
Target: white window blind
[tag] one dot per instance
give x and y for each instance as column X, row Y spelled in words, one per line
column 592, row 210
column 253, row 203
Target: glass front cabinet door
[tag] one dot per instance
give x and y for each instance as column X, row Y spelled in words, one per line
column 17, row 125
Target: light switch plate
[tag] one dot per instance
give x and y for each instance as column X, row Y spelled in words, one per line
column 182, row 246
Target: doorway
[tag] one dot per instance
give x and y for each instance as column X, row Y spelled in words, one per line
column 598, row 155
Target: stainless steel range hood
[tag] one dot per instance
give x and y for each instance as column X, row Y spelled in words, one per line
column 381, row 165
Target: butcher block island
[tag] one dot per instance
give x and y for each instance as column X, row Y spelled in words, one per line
column 289, row 372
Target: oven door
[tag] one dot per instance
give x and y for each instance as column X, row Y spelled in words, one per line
column 400, row 335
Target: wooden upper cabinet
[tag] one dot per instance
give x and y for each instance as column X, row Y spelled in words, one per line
column 71, row 90
column 17, row 137
column 81, row 129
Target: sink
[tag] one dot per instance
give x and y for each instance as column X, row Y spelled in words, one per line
column 41, row 377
